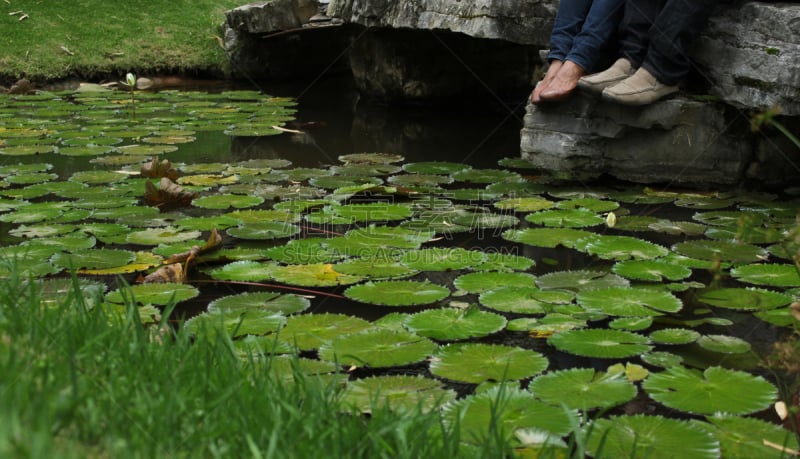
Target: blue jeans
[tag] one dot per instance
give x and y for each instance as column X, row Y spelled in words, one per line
column 584, row 32
column 657, row 34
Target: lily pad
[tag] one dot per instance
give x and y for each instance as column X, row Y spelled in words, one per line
column 442, row 259
column 156, row 236
column 225, row 201
column 475, row 363
column 525, row 204
column 377, row 348
column 583, row 388
column 723, row 344
column 654, row 437
column 397, row 293
column 744, row 299
column 480, row 282
column 284, row 303
column 599, row 343
column 675, row 336
column 306, row 251
column 499, row 261
column 379, row 267
column 313, row 275
column 716, row 390
column 519, row 299
column 629, row 302
column 435, row 167
column 662, row 359
column 451, row 324
column 573, row 218
column 733, row 252
column 623, row 248
column 774, row 275
column 747, row 438
column 398, row 393
column 157, row 294
column 93, row 259
column 580, row 280
column 236, row 323
column 631, row 323
column 263, row 230
column 546, row 237
column 308, row 332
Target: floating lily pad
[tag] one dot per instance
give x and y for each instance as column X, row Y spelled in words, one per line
column 486, row 176
column 723, row 344
column 156, row 236
column 654, row 437
column 263, row 301
column 224, row 201
column 157, row 294
column 480, row 282
column 377, row 348
column 264, row 230
column 310, row 331
column 546, row 237
column 435, row 167
column 475, row 363
column 651, row 270
column 662, row 359
column 747, row 438
column 451, row 324
column 479, row 220
column 372, row 212
column 442, row 259
column 589, row 203
column 629, row 302
column 93, row 259
column 623, row 248
column 379, row 267
column 631, row 323
column 397, row 293
column 313, row 275
column 397, row 393
column 518, row 299
column 501, row 412
column 573, row 218
column 674, row 336
column 525, row 204
column 236, row 323
column 583, row 388
column 580, row 280
column 744, row 299
column 370, row 158
column 599, row 343
column 733, row 252
column 715, row 390
column 775, row 275
column 499, row 261
column 426, row 181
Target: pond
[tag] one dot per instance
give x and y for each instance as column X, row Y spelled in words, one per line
column 411, row 248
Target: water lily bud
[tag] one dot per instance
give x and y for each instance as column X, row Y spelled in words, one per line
column 130, row 80
column 611, row 219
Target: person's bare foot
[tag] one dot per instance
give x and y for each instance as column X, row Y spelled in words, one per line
column 552, row 71
column 564, row 83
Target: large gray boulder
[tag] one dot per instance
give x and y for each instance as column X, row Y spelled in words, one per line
column 519, row 21
column 271, row 16
column 751, row 55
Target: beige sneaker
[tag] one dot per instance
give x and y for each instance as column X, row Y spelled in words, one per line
column 641, row 88
column 597, row 82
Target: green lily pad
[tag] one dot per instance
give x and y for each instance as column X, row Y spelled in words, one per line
column 480, row 282
column 486, row 176
column 629, row 302
column 313, row 275
column 678, row 228
column 372, row 212
column 716, row 390
column 651, row 270
column 370, row 158
column 733, row 252
column 263, row 301
column 306, row 251
column 426, row 181
column 662, row 359
column 93, row 259
column 589, row 203
column 156, row 236
column 224, row 201
column 379, row 267
column 503, row 413
column 377, row 348
column 263, row 230
column 435, row 167
column 244, row 270
column 674, row 336
column 31, row 231
column 747, row 438
column 30, row 178
column 310, row 331
column 774, row 275
column 631, row 323
column 518, row 299
column 623, row 248
column 398, row 393
column 442, row 259
column 723, row 344
column 654, row 437
column 485, row 220
column 499, row 261
column 525, row 204
column 546, row 237
column 397, row 293
column 158, row 294
column 475, row 363
column 580, row 280
column 236, row 323
column 583, row 388
column 451, row 324
column 782, row 317
column 599, row 343
column 743, row 299
column 573, row 218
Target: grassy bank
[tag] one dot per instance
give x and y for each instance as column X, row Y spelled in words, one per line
column 45, row 40
column 83, row 382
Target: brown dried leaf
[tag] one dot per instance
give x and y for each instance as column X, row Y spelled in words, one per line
column 170, row 273
column 169, row 194
column 214, row 242
column 156, row 169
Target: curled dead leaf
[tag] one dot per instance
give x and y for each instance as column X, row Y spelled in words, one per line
column 174, row 272
column 167, row 194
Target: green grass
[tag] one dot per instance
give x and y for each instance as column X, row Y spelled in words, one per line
column 84, row 382
column 111, row 38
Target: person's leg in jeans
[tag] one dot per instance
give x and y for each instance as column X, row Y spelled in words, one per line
column 639, row 17
column 589, row 38
column 672, row 34
column 566, row 26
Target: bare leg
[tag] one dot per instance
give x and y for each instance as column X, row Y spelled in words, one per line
column 555, row 66
column 564, row 83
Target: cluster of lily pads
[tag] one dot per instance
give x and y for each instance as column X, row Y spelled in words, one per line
column 372, row 232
